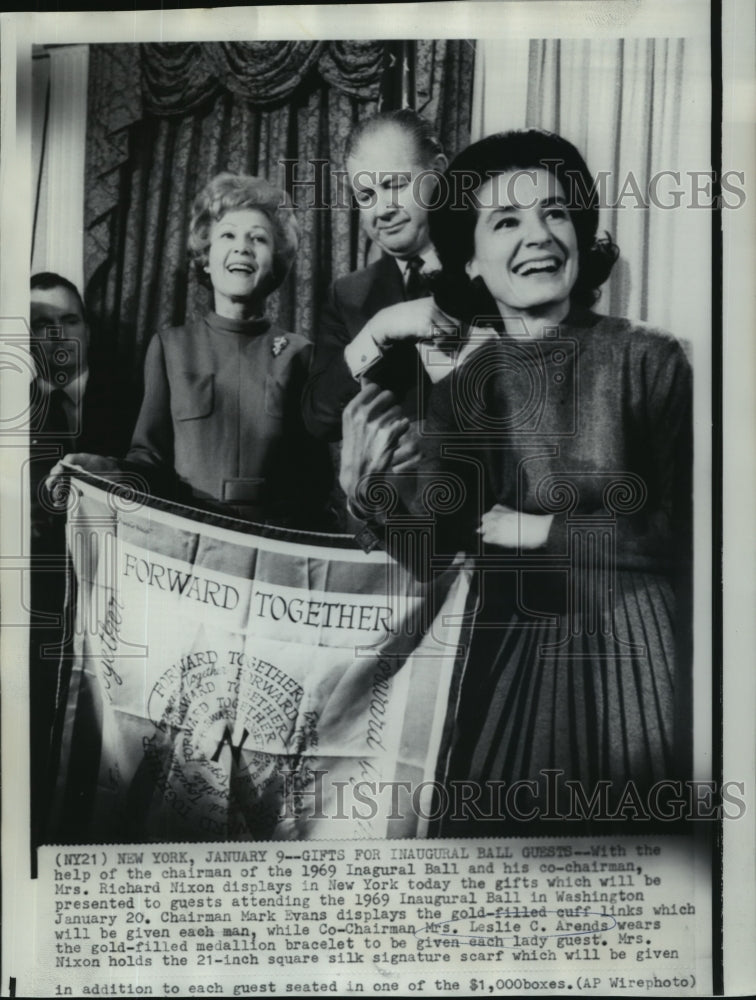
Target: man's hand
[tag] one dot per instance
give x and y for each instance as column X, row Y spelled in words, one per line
column 513, row 529
column 414, row 321
column 376, row 441
column 420, row 319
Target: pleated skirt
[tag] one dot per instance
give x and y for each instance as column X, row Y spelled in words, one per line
column 575, row 698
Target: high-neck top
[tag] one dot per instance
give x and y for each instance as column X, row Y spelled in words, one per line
column 601, row 408
column 220, row 423
column 247, row 327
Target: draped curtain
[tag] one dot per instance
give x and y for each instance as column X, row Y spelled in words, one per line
column 165, row 118
column 59, row 116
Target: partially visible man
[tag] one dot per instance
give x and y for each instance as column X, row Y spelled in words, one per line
column 393, row 161
column 60, row 348
column 60, row 338
column 77, row 401
column 71, row 408
column 67, row 405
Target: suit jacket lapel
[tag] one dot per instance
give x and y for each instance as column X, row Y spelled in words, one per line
column 387, row 288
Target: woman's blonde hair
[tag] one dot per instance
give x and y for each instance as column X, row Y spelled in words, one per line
column 228, row 192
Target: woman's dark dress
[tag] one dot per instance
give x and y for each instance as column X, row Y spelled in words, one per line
column 580, row 655
column 220, row 425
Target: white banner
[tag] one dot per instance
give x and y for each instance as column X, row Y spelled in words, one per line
column 230, row 685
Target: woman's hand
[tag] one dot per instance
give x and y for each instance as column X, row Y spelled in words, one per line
column 98, row 465
column 406, row 455
column 376, row 441
column 513, row 529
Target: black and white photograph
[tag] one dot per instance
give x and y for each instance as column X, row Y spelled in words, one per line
column 365, row 442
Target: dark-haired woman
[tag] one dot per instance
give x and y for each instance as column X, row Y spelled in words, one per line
column 570, row 434
column 220, row 424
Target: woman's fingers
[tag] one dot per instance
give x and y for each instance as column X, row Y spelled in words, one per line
column 372, row 425
column 408, row 443
column 386, row 434
column 406, row 451
column 514, row 529
column 76, row 460
column 369, row 403
column 53, row 476
column 397, row 426
column 367, row 396
column 406, row 457
column 406, row 465
column 99, row 465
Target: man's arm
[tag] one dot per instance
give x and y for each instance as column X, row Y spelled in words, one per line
column 348, row 347
column 373, row 429
column 381, row 474
column 330, row 385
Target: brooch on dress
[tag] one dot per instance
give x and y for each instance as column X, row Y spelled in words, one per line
column 278, row 345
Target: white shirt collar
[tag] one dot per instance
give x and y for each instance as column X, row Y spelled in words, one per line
column 74, row 389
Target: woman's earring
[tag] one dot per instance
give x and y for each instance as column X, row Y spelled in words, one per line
column 471, row 269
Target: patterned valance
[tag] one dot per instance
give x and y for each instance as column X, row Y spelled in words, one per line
column 177, row 78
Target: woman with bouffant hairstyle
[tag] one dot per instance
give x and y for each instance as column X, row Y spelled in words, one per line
column 568, row 436
column 220, row 423
column 516, row 154
column 580, row 664
column 231, row 192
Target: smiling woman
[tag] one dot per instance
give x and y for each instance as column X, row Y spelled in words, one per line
column 220, row 423
column 566, row 436
column 240, row 260
column 526, row 248
column 578, row 428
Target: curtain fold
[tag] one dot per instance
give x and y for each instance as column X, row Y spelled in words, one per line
column 261, row 72
column 164, row 119
column 179, row 77
column 175, row 76
column 113, row 105
column 444, row 73
column 59, row 162
column 354, row 68
column 633, row 88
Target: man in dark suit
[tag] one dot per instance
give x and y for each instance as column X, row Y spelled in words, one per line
column 393, row 161
column 71, row 407
column 59, row 345
column 76, row 399
column 60, row 348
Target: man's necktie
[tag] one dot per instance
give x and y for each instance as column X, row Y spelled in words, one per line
column 417, row 283
column 56, row 421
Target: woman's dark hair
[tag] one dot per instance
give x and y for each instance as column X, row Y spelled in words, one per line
column 229, row 192
column 452, row 222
